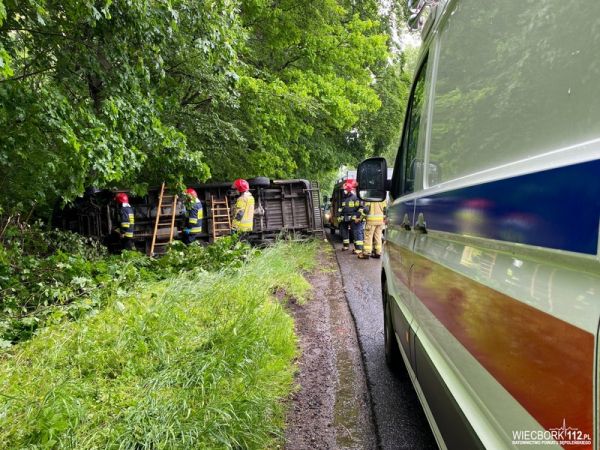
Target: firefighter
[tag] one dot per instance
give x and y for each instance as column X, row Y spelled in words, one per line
column 375, row 215
column 193, row 216
column 243, row 212
column 127, row 221
column 350, row 217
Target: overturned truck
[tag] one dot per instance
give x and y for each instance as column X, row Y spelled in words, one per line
column 281, row 207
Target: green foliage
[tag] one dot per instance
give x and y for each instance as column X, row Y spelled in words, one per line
column 5, row 70
column 52, row 276
column 201, row 360
column 307, row 81
column 79, row 109
column 378, row 134
column 131, row 92
column 226, row 253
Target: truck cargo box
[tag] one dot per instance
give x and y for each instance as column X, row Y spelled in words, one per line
column 281, row 207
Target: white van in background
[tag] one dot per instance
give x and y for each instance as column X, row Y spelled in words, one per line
column 491, row 269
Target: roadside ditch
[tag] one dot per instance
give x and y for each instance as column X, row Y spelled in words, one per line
column 331, row 408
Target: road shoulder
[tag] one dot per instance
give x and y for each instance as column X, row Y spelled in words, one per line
column 331, row 408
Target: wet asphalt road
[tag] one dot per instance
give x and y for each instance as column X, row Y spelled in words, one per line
column 400, row 420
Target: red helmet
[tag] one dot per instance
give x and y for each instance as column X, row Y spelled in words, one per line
column 350, row 184
column 121, row 197
column 241, row 185
column 192, row 192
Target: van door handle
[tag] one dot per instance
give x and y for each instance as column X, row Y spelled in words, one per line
column 405, row 223
column 421, row 226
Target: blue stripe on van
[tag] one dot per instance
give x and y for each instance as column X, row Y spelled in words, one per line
column 557, row 208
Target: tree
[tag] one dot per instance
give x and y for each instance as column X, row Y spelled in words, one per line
column 378, row 133
column 79, row 109
column 130, row 92
column 305, row 81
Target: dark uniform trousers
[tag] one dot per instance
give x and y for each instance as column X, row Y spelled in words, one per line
column 350, row 211
column 193, row 223
column 126, row 216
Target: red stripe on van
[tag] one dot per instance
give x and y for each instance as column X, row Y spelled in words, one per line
column 545, row 363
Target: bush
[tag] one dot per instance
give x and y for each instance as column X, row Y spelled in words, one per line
column 226, row 253
column 55, row 275
column 201, row 360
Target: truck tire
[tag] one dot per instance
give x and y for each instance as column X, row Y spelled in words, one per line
column 260, row 182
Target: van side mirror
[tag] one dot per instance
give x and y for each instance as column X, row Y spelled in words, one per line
column 372, row 179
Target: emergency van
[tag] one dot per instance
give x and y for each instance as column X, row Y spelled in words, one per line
column 491, row 269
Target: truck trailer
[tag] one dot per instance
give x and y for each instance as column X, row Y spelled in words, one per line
column 282, row 207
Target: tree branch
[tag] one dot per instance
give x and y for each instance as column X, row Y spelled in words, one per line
column 49, row 33
column 27, row 75
column 199, row 104
column 289, row 62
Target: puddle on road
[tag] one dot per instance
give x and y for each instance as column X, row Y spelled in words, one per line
column 347, row 414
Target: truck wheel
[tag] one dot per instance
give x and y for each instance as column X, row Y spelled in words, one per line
column 260, row 182
column 392, row 352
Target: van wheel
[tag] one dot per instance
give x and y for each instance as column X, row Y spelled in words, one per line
column 392, row 352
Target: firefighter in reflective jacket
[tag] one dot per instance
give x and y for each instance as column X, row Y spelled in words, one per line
column 243, row 212
column 193, row 216
column 350, row 217
column 126, row 220
column 375, row 213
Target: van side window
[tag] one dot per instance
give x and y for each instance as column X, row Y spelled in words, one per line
column 407, row 165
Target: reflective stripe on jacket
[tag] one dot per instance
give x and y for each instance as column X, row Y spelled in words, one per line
column 350, row 208
column 127, row 220
column 194, row 215
column 243, row 213
column 375, row 212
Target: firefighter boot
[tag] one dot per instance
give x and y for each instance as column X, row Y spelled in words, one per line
column 362, row 255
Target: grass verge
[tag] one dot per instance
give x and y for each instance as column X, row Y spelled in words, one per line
column 201, row 360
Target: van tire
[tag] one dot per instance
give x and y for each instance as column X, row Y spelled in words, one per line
column 260, row 182
column 393, row 358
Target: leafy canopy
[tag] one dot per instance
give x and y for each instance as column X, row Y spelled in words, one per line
column 129, row 93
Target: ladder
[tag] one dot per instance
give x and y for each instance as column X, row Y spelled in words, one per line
column 164, row 222
column 315, row 195
column 221, row 221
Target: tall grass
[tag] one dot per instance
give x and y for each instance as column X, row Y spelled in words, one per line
column 198, row 361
